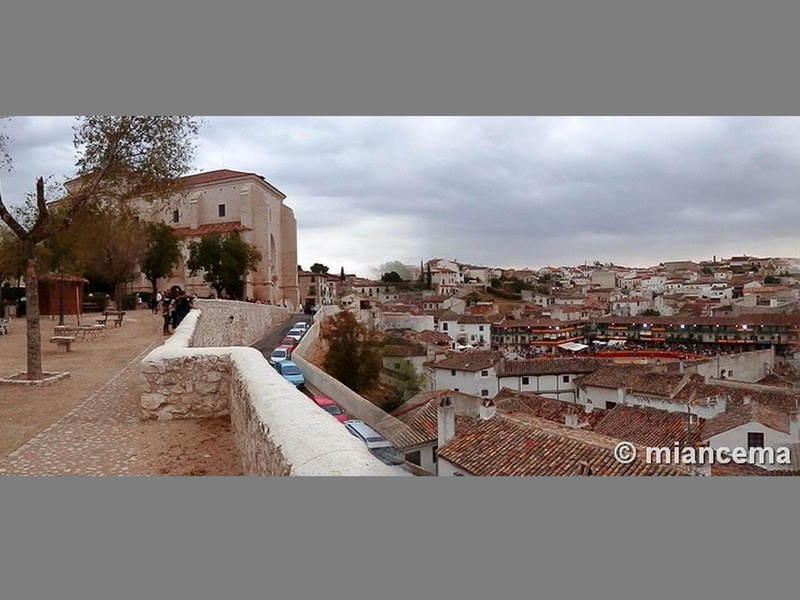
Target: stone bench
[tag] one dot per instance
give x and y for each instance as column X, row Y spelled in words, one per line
column 63, row 340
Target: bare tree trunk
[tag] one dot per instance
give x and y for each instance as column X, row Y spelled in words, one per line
column 32, row 316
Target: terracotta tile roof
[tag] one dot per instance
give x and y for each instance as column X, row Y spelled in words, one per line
column 433, row 337
column 405, row 350
column 210, row 228
column 443, row 314
column 742, row 415
column 781, row 399
column 792, row 320
column 223, row 175
column 473, row 360
column 635, row 378
column 420, row 416
column 511, row 401
column 534, row 323
column 649, row 426
column 736, row 470
column 521, row 445
column 550, row 366
column 435, row 299
column 473, row 320
column 776, row 380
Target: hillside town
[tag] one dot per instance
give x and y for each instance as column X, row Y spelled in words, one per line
column 486, row 370
column 519, row 366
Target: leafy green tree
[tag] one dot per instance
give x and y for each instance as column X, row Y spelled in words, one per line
column 354, row 353
column 428, row 278
column 119, row 158
column 225, row 261
column 319, row 268
column 162, row 255
column 341, row 275
column 409, row 381
column 650, row 312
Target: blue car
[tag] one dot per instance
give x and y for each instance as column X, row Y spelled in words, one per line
column 291, row 372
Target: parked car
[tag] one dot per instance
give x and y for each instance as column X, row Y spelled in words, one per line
column 376, row 443
column 290, row 342
column 291, row 372
column 300, row 325
column 296, row 333
column 331, row 407
column 279, row 354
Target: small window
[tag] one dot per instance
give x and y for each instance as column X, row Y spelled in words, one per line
column 484, row 373
column 755, row 440
column 221, row 210
column 565, row 379
column 396, row 365
column 444, row 326
column 453, row 372
column 461, row 328
column 176, row 216
column 526, row 381
column 484, row 392
column 480, row 327
column 414, row 458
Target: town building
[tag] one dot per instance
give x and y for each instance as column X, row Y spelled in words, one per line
column 225, row 202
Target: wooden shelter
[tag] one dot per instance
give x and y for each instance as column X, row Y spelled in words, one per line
column 54, row 287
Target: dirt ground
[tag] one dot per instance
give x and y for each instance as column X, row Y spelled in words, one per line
column 102, row 392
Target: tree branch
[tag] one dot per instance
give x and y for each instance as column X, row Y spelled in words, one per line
column 12, row 223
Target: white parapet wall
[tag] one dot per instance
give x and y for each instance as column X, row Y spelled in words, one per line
column 278, row 430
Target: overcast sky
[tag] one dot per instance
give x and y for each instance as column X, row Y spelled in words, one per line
column 497, row 191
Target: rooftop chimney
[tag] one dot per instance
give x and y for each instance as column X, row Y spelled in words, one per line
column 487, row 409
column 747, row 399
column 703, row 465
column 588, row 407
column 571, row 420
column 446, row 421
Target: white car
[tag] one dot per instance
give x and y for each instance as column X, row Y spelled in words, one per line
column 296, row 333
column 280, row 354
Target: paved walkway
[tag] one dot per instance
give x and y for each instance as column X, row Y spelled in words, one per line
column 104, row 435
column 94, row 438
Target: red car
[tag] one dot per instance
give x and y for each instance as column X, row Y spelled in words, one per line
column 331, row 407
column 289, row 341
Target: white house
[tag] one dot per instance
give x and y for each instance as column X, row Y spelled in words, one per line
column 753, row 425
column 473, row 372
column 474, row 330
column 552, row 378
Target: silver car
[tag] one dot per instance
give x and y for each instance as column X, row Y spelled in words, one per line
column 376, row 443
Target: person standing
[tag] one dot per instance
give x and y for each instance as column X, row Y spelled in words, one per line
column 166, row 311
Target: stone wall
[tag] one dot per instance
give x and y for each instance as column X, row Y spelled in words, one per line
column 188, row 385
column 226, row 323
column 278, row 430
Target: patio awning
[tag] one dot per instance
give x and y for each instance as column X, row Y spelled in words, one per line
column 573, row 346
